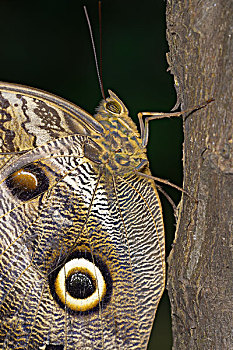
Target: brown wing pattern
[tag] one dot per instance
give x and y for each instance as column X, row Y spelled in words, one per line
column 82, row 247
column 30, row 118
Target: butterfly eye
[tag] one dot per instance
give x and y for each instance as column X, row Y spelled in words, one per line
column 27, row 182
column 80, row 285
column 113, row 107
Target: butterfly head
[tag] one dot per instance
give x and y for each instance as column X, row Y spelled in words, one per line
column 112, row 110
column 114, row 105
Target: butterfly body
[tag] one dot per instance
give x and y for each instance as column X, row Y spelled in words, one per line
column 82, row 237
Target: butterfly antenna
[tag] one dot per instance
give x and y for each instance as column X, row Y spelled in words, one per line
column 101, row 49
column 94, row 51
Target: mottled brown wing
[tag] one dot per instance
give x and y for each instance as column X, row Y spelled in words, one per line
column 73, row 217
column 83, row 215
column 31, row 118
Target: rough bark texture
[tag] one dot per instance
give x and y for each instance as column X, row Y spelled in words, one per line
column 200, row 264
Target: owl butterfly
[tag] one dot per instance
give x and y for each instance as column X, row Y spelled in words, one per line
column 82, row 237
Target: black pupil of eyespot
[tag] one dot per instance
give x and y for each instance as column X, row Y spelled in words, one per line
column 113, row 107
column 80, row 285
column 27, row 182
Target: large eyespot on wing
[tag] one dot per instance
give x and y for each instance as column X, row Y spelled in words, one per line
column 81, row 283
column 27, row 182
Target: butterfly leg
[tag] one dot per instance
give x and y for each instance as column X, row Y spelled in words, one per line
column 144, row 126
column 151, row 116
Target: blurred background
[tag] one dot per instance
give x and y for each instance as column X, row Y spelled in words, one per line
column 46, row 44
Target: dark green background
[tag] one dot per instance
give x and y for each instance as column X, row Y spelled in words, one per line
column 46, row 44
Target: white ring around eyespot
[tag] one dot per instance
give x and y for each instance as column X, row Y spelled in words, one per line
column 82, row 265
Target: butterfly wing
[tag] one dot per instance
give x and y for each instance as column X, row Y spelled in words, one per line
column 140, row 246
column 31, row 117
column 78, row 271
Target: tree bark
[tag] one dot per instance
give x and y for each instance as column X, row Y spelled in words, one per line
column 200, row 264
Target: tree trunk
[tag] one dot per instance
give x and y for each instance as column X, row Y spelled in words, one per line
column 200, row 263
